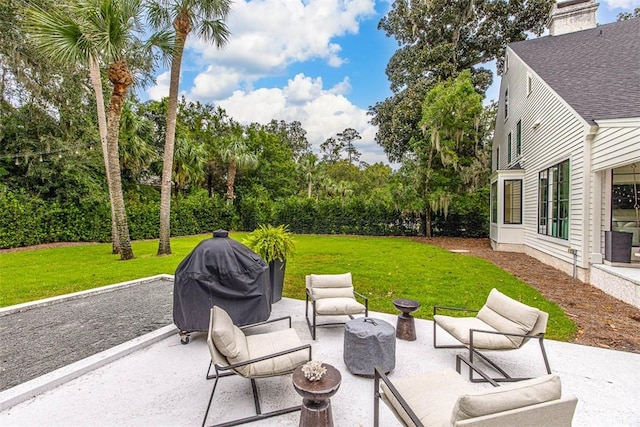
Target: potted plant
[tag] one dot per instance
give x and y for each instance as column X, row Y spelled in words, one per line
column 274, row 245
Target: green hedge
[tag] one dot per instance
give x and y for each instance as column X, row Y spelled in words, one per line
column 27, row 220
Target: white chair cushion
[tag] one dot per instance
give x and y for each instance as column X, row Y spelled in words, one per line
column 508, row 315
column 507, row 397
column 459, row 328
column 270, row 343
column 430, row 396
column 227, row 337
column 335, row 306
column 330, row 280
column 320, row 293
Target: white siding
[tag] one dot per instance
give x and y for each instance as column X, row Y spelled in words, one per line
column 559, row 136
column 615, row 145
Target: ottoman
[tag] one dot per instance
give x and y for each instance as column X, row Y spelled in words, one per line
column 369, row 343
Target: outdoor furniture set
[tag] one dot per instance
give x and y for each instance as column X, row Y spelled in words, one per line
column 432, row 398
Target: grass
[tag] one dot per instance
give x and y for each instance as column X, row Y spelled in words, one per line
column 383, row 268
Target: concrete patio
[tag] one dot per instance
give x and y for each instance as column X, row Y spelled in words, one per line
column 155, row 380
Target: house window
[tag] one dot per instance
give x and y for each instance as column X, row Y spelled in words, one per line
column 509, row 148
column 625, row 193
column 513, row 201
column 553, row 201
column 519, row 138
column 506, row 62
column 529, row 84
column 494, row 202
column 498, row 158
column 506, row 103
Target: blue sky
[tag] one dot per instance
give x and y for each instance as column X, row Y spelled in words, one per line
column 320, row 62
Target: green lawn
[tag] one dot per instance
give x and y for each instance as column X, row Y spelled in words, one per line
column 383, row 268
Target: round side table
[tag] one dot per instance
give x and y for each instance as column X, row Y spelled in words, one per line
column 316, row 402
column 405, row 327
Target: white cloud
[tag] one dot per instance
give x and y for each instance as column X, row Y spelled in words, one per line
column 161, row 88
column 322, row 112
column 215, row 83
column 622, row 4
column 268, row 35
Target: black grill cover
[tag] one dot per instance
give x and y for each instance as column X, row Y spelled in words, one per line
column 223, row 272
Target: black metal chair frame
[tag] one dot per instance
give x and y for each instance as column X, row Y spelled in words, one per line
column 314, row 325
column 377, row 376
column 473, row 364
column 228, row 370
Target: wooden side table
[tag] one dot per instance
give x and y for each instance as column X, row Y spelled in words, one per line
column 406, row 327
column 316, row 402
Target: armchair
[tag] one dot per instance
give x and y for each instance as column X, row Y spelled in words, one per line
column 252, row 356
column 501, row 324
column 445, row 398
column 332, row 295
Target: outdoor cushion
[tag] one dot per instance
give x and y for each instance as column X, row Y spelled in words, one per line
column 270, row 343
column 335, row 306
column 330, row 280
column 321, row 293
column 227, row 337
column 508, row 315
column 459, row 328
column 435, row 409
column 507, row 397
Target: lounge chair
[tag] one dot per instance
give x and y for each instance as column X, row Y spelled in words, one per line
column 252, row 356
column 502, row 324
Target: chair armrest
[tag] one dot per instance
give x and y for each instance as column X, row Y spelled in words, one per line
column 444, row 307
column 266, row 322
column 506, row 334
column 310, row 295
column 365, row 299
column 377, row 376
column 267, row 357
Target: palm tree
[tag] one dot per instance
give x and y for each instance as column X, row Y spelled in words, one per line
column 206, row 17
column 235, row 153
column 308, row 166
column 60, row 36
column 136, row 151
column 189, row 164
column 98, row 30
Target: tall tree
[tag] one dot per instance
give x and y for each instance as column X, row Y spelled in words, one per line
column 450, row 115
column 206, row 18
column 98, row 30
column 292, row 134
column 438, row 39
column 308, row 167
column 346, row 137
column 331, row 149
column 60, row 33
column 236, row 154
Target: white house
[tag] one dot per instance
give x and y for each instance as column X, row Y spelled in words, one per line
column 566, row 150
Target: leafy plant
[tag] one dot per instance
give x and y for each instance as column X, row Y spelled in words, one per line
column 271, row 242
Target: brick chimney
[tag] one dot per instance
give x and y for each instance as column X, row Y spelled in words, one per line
column 572, row 15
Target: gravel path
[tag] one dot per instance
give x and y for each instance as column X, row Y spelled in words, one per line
column 42, row 339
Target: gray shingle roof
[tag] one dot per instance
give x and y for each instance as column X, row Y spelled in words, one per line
column 597, row 71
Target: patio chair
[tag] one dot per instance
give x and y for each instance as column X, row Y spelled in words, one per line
column 501, row 324
column 445, row 398
column 332, row 295
column 252, row 356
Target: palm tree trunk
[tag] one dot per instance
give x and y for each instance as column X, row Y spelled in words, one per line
column 231, row 179
column 309, row 188
column 182, row 27
column 120, row 76
column 96, row 81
